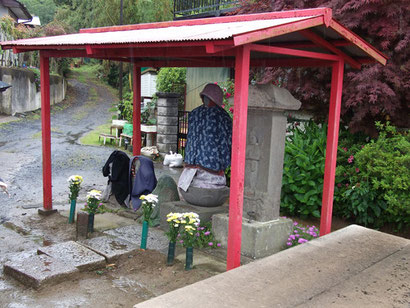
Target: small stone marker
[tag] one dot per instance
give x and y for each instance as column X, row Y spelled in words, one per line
column 38, row 270
column 82, row 225
column 109, row 247
column 73, row 253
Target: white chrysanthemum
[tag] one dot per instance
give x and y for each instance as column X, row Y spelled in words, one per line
column 95, row 194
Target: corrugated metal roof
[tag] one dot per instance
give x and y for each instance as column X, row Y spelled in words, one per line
column 216, row 31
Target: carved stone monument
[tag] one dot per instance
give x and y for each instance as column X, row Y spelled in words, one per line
column 263, row 231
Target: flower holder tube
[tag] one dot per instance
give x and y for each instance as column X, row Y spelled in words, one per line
column 144, row 235
column 72, row 211
column 90, row 222
column 171, row 253
column 189, row 258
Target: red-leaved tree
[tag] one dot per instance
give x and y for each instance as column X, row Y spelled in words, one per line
column 375, row 92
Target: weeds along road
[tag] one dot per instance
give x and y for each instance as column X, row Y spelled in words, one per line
column 86, row 106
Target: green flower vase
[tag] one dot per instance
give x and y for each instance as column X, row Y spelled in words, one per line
column 144, row 235
column 72, row 211
column 171, row 253
column 90, row 222
column 189, row 258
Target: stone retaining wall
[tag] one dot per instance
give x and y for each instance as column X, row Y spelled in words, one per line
column 23, row 96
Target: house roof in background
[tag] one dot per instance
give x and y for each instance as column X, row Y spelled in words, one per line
column 17, row 9
column 33, row 22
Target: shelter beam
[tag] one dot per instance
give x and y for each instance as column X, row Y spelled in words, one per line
column 294, row 52
column 238, row 157
column 45, row 131
column 323, row 43
column 331, row 147
column 136, row 114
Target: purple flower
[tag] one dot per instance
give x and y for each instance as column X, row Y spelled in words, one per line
column 297, row 235
column 302, row 240
column 350, row 159
column 289, row 243
column 295, row 231
column 210, row 244
column 197, row 234
column 207, row 233
column 295, row 223
column 181, row 241
column 219, row 244
column 292, row 236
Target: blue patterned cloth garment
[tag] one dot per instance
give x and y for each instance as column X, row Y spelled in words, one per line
column 209, row 138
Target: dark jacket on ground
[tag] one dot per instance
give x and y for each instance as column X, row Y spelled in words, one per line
column 144, row 181
column 119, row 175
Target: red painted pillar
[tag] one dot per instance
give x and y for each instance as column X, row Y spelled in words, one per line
column 238, row 157
column 136, row 115
column 45, row 130
column 331, row 147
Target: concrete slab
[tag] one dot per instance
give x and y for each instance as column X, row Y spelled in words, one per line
column 310, row 275
column 73, row 253
column 156, row 238
column 38, row 270
column 110, row 248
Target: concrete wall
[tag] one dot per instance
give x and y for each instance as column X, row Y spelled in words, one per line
column 23, row 95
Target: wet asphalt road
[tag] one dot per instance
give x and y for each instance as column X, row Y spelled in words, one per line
column 21, row 153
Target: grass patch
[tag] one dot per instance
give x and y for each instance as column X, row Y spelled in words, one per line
column 92, row 137
column 38, row 134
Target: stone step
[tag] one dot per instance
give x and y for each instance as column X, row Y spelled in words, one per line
column 75, row 254
column 109, row 247
column 37, row 271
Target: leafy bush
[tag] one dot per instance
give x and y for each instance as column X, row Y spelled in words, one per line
column 303, row 170
column 372, row 180
column 172, row 80
column 203, row 237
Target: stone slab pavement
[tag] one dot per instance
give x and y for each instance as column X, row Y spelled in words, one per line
column 352, row 267
column 73, row 253
column 38, row 270
column 110, row 247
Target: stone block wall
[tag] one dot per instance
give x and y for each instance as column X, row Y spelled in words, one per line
column 167, row 122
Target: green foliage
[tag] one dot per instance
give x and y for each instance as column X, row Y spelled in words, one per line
column 303, row 170
column 372, row 179
column 45, row 9
column 85, row 14
column 126, row 109
column 171, row 80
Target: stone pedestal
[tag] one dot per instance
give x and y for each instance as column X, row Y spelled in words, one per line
column 205, row 213
column 265, row 144
column 259, row 239
column 167, row 122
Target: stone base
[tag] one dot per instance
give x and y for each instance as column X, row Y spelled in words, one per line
column 45, row 212
column 205, row 213
column 259, row 239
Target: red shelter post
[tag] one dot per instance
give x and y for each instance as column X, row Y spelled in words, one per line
column 45, row 130
column 238, row 156
column 331, row 147
column 136, row 115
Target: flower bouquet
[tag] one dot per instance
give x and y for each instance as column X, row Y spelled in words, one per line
column 148, row 204
column 174, row 223
column 74, row 182
column 92, row 207
column 190, row 221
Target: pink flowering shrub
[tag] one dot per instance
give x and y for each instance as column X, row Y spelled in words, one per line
column 301, row 234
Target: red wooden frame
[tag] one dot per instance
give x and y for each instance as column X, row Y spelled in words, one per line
column 46, row 131
column 233, row 52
